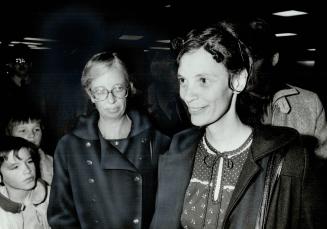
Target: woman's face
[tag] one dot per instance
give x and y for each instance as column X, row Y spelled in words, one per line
column 18, row 172
column 204, row 87
column 112, row 107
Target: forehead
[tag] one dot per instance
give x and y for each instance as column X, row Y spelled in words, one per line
column 22, row 154
column 104, row 75
column 29, row 123
column 199, row 62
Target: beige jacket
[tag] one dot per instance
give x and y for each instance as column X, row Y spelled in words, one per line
column 300, row 109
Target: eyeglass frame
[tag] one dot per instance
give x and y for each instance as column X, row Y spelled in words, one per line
column 126, row 87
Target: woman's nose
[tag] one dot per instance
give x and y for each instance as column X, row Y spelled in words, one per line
column 111, row 98
column 188, row 93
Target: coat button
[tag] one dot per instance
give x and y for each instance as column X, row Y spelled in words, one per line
column 143, row 140
column 88, row 144
column 137, row 178
column 89, row 162
column 136, row 221
column 91, row 180
column 116, row 143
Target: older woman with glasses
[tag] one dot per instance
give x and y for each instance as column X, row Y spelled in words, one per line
column 105, row 170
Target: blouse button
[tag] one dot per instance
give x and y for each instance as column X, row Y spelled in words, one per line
column 91, row 180
column 89, row 162
column 88, row 144
column 116, row 143
column 137, row 179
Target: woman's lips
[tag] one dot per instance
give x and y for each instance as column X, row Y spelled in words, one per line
column 195, row 110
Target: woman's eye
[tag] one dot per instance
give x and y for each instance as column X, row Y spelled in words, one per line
column 203, row 80
column 21, row 131
column 30, row 161
column 37, row 130
column 181, row 80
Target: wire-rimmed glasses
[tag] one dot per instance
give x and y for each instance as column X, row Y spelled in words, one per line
column 101, row 93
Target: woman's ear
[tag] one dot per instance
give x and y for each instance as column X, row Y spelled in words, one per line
column 239, row 81
column 275, row 59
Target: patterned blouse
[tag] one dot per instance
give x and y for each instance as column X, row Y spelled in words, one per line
column 214, row 177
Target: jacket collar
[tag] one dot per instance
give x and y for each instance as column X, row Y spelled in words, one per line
column 87, row 126
column 37, row 196
column 285, row 92
column 266, row 139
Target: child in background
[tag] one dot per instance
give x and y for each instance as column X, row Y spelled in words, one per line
column 27, row 124
column 23, row 197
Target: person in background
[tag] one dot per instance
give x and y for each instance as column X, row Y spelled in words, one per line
column 105, row 170
column 26, row 123
column 18, row 85
column 230, row 171
column 286, row 105
column 165, row 108
column 24, row 197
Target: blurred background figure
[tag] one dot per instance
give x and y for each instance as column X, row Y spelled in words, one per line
column 164, row 105
column 17, row 85
column 287, row 105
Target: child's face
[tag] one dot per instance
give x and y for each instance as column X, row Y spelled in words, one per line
column 30, row 130
column 18, row 172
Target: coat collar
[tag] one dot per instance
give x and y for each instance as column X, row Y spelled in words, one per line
column 177, row 165
column 285, row 92
column 37, row 196
column 87, row 126
column 266, row 139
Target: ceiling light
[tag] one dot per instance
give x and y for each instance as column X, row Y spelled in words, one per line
column 35, row 47
column 289, row 13
column 311, row 50
column 285, row 34
column 38, row 39
column 309, row 63
column 167, row 6
column 130, row 37
column 159, row 48
column 25, row 42
column 163, row 41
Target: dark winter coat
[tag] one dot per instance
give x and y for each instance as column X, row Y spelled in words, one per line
column 293, row 200
column 97, row 186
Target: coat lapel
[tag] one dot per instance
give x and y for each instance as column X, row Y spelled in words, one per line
column 111, row 158
column 266, row 140
column 176, row 168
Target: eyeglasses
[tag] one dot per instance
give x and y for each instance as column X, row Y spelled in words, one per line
column 101, row 93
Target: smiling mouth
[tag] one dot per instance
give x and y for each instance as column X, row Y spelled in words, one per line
column 195, row 110
column 112, row 110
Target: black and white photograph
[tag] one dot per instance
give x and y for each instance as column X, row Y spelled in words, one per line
column 166, row 114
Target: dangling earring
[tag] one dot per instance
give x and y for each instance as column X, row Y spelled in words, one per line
column 231, row 86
